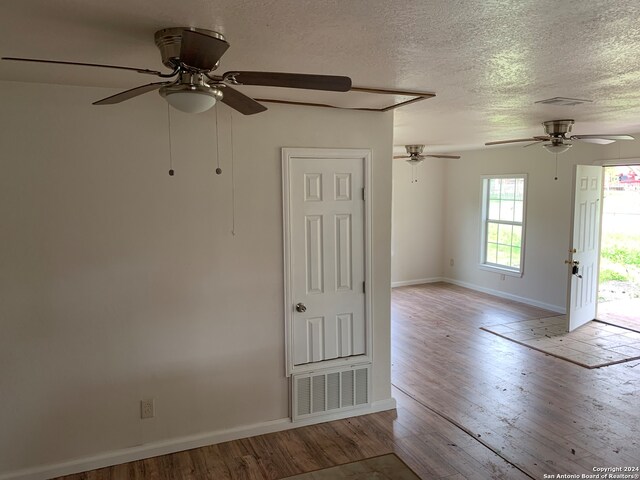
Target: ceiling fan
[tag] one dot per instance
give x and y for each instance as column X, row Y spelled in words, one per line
column 556, row 137
column 414, row 154
column 193, row 54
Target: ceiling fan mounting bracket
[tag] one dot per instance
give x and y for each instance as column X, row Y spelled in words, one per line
column 558, row 128
column 191, row 82
column 169, row 41
column 414, row 149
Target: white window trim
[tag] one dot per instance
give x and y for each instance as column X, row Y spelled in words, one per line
column 484, row 202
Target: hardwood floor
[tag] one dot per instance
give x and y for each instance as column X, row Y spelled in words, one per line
column 470, row 405
column 543, row 414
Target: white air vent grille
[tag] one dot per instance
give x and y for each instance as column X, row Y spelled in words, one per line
column 564, row 101
column 318, row 403
column 331, row 391
column 304, row 396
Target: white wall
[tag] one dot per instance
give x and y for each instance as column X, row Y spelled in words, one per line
column 417, row 232
column 548, row 217
column 447, row 198
column 119, row 283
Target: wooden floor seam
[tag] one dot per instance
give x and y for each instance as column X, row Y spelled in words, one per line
column 476, row 437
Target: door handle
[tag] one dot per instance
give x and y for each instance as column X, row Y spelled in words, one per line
column 300, row 307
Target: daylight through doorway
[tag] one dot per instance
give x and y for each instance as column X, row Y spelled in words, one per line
column 619, row 282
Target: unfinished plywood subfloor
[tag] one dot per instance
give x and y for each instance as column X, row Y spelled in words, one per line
column 593, row 345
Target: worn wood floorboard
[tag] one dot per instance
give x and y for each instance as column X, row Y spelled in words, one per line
column 541, row 413
column 545, row 414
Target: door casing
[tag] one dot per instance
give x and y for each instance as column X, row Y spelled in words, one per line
column 579, row 314
column 290, row 155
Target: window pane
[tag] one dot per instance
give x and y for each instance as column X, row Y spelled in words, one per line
column 504, row 255
column 515, row 257
column 504, row 221
column 494, row 188
column 492, row 253
column 494, row 210
column 518, row 210
column 520, row 189
column 492, row 232
column 508, row 191
column 506, row 210
column 504, row 234
column 516, row 239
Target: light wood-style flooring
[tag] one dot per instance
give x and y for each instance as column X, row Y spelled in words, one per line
column 470, row 405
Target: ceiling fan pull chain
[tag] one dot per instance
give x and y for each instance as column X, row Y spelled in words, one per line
column 218, row 170
column 233, row 182
column 556, row 177
column 171, row 171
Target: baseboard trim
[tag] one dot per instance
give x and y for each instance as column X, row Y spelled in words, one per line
column 508, row 296
column 406, row 283
column 164, row 447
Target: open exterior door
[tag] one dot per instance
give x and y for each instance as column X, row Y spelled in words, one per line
column 582, row 294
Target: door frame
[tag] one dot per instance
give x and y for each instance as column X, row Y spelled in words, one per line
column 289, row 155
column 618, row 162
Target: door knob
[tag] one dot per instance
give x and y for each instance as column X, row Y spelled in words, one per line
column 300, row 307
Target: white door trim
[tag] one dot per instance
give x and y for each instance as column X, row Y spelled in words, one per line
column 289, row 155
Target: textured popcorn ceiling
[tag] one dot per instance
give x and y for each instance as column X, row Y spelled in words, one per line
column 488, row 61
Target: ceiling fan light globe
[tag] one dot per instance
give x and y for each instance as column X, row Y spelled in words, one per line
column 190, row 102
column 557, row 148
column 191, row 98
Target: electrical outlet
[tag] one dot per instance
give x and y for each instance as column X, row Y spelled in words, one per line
column 451, row 262
column 147, row 409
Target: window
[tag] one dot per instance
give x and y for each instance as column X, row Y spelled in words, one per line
column 503, row 215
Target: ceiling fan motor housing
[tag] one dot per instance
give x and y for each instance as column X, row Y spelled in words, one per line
column 169, row 41
column 414, row 149
column 558, row 128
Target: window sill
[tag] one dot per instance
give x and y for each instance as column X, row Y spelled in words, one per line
column 500, row 270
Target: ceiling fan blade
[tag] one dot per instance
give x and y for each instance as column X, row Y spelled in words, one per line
column 442, row 156
column 201, row 51
column 127, row 94
column 330, row 83
column 532, row 139
column 610, row 138
column 240, row 102
column 99, row 65
column 401, row 156
column 598, row 141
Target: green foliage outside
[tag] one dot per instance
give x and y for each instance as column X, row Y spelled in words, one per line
column 610, row 275
column 624, row 255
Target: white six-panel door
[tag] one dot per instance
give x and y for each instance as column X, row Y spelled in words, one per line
column 582, row 298
column 326, row 271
